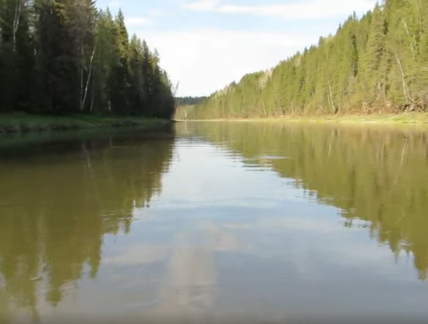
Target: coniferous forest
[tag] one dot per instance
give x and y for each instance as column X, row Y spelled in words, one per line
column 376, row 63
column 66, row 57
column 189, row 101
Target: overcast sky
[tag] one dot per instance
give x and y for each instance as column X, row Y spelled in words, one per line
column 206, row 44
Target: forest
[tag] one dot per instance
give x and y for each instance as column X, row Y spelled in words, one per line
column 376, row 63
column 189, row 101
column 63, row 57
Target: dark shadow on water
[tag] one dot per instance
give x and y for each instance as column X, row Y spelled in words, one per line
column 59, row 196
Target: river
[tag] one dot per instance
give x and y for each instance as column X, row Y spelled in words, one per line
column 216, row 222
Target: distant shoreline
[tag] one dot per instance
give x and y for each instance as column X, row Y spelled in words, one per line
column 387, row 119
column 23, row 123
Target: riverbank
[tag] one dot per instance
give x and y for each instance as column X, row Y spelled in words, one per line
column 22, row 123
column 398, row 119
column 387, row 119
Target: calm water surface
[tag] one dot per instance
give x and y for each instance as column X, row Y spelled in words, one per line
column 250, row 222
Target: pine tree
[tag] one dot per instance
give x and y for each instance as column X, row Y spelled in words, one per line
column 119, row 77
column 65, row 56
column 57, row 64
column 103, row 62
column 16, row 55
column 136, row 91
column 376, row 63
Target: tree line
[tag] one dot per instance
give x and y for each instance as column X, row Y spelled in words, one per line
column 186, row 105
column 376, row 63
column 189, row 101
column 67, row 57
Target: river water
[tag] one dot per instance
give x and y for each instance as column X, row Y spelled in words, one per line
column 216, row 222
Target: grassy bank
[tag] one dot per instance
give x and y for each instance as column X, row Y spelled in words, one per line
column 399, row 119
column 21, row 123
column 388, row 119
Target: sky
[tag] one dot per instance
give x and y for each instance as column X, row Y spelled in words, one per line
column 205, row 45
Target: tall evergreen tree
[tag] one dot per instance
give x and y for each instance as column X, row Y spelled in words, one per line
column 373, row 64
column 119, row 77
column 65, row 56
column 16, row 55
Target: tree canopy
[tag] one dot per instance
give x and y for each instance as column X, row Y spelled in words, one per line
column 67, row 56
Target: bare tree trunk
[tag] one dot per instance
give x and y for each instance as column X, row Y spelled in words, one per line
column 383, row 94
column 330, row 97
column 403, row 79
column 322, row 108
column 82, row 105
column 16, row 21
column 412, row 47
column 175, row 88
column 81, row 76
column 92, row 98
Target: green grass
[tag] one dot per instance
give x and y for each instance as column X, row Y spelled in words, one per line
column 402, row 119
column 22, row 123
column 386, row 119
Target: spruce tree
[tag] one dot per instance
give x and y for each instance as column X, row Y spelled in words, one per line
column 376, row 63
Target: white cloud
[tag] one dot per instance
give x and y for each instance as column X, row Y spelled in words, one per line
column 311, row 9
column 114, row 4
column 206, row 60
column 137, row 21
column 157, row 12
column 202, row 5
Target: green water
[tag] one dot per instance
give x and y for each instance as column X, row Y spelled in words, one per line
column 216, row 222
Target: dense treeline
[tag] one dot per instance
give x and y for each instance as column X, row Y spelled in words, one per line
column 377, row 175
column 185, row 112
column 186, row 105
column 66, row 56
column 189, row 101
column 376, row 63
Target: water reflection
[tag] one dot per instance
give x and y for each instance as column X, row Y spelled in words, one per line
column 188, row 289
column 378, row 175
column 58, row 200
column 242, row 224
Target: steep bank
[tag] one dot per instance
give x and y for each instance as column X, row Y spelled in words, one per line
column 376, row 63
